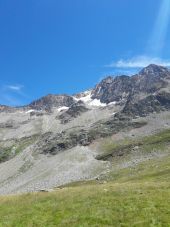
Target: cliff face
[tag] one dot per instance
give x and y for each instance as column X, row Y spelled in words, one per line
column 113, row 89
column 149, row 80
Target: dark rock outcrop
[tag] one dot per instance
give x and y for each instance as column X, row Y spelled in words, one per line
column 50, row 101
column 8, row 124
column 53, row 144
column 113, row 89
column 149, row 80
column 150, row 104
column 74, row 111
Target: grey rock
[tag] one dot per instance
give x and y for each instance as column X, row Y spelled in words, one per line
column 113, row 89
column 50, row 101
column 74, row 111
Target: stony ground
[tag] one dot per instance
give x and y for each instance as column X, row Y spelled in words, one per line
column 132, row 195
column 31, row 171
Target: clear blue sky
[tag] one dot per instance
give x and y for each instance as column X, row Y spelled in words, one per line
column 67, row 46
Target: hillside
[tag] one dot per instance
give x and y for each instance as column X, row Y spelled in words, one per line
column 131, row 195
column 57, row 139
column 97, row 158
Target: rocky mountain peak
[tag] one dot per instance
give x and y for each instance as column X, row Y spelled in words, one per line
column 82, row 94
column 154, row 70
column 107, row 80
column 112, row 89
column 50, row 101
column 151, row 79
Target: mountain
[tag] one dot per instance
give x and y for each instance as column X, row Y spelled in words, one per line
column 113, row 89
column 51, row 101
column 4, row 108
column 59, row 139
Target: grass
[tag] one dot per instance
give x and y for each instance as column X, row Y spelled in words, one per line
column 19, row 145
column 133, row 196
column 147, row 144
column 5, row 154
column 153, row 170
column 91, row 205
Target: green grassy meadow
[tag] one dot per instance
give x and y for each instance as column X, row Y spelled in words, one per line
column 138, row 196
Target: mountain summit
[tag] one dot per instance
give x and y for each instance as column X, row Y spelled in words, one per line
column 56, row 139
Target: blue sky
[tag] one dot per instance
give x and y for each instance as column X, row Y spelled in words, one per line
column 54, row 46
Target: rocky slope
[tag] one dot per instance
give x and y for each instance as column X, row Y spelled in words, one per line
column 51, row 101
column 53, row 140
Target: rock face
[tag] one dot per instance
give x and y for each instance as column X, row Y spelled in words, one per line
column 119, row 89
column 53, row 144
column 75, row 110
column 50, row 101
column 151, row 79
column 113, row 89
column 150, row 104
column 144, row 93
column 124, row 90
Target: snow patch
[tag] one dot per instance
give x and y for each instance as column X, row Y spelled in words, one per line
column 62, row 108
column 86, row 98
column 96, row 102
column 112, row 103
column 30, row 111
column 89, row 101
